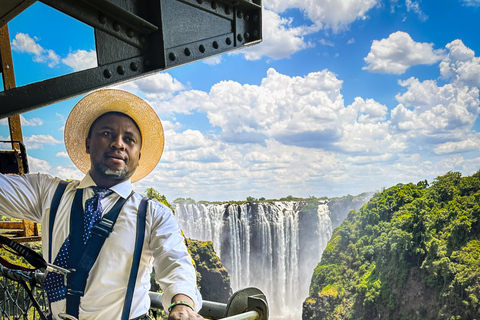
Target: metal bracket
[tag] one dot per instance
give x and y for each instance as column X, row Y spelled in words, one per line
column 10, row 159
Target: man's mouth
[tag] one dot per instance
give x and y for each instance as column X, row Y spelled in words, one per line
column 116, row 157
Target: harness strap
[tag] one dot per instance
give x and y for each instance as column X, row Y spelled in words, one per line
column 140, row 236
column 139, row 240
column 77, row 281
column 31, row 256
column 53, row 213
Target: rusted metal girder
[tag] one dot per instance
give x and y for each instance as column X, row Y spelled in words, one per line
column 29, row 229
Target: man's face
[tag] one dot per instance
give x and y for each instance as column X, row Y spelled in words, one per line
column 114, row 147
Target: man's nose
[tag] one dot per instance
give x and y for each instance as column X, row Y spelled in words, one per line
column 117, row 142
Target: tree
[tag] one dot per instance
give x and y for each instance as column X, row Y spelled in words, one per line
column 155, row 195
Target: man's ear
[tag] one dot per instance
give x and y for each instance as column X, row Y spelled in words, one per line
column 87, row 145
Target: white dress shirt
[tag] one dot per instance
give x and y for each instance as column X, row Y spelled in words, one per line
column 30, row 196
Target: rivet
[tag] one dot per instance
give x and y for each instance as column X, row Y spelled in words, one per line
column 172, row 56
column 228, row 41
column 239, row 14
column 255, row 33
column 142, row 39
column 133, row 66
column 228, row 10
column 187, row 52
column 247, row 35
column 116, row 26
column 201, row 48
column 240, row 38
column 102, row 19
column 130, row 33
column 120, row 70
column 246, row 17
column 214, row 5
column 107, row 74
column 215, row 44
column 255, row 18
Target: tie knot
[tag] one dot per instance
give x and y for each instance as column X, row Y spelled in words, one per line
column 101, row 193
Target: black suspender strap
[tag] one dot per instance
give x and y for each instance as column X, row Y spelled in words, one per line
column 140, row 236
column 100, row 231
column 53, row 213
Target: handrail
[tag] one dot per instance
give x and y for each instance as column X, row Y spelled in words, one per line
column 245, row 304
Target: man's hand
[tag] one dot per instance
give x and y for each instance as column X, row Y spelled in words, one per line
column 183, row 312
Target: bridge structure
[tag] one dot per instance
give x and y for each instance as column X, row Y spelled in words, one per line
column 133, row 39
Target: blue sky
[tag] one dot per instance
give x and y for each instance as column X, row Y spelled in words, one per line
column 341, row 97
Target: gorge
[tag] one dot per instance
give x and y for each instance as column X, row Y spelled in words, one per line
column 272, row 245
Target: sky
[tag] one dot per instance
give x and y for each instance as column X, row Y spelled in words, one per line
column 341, row 97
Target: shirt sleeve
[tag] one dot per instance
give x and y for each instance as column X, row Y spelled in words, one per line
column 174, row 270
column 26, row 196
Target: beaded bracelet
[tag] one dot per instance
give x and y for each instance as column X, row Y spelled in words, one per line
column 176, row 303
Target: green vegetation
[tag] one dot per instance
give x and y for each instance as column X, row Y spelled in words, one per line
column 412, row 252
column 155, row 195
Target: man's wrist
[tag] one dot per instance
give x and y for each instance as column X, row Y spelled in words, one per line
column 180, row 303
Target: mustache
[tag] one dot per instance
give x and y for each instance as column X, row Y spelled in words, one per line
column 115, row 155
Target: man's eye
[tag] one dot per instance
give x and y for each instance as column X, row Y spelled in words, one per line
column 106, row 133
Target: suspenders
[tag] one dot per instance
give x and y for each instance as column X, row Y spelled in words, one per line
column 100, row 231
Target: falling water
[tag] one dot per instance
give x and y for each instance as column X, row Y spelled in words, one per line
column 273, row 246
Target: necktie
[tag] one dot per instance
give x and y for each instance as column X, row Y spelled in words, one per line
column 55, row 283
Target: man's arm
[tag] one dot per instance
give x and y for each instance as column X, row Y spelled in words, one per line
column 25, row 196
column 173, row 264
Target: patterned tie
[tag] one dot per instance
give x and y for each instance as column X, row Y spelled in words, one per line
column 55, row 283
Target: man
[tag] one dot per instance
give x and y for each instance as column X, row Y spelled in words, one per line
column 115, row 138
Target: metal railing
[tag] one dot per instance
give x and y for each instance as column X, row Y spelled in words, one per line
column 22, row 296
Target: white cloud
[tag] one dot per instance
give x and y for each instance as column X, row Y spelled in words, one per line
column 297, row 131
column 81, row 60
column 435, row 114
column 470, row 144
column 38, row 141
column 471, row 3
column 327, row 43
column 399, row 52
column 70, row 172
column 461, row 65
column 335, row 15
column 26, row 123
column 280, row 39
column 415, row 7
column 38, row 165
column 213, row 61
column 62, row 154
column 32, row 122
column 351, row 41
column 24, row 43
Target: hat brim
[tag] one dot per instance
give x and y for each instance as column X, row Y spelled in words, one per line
column 87, row 110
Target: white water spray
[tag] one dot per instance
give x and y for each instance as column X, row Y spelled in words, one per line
column 260, row 245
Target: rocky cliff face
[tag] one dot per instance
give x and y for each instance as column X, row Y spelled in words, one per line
column 212, row 277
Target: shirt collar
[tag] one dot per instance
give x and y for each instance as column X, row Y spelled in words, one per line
column 123, row 189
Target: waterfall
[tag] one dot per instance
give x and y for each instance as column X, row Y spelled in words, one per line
column 274, row 246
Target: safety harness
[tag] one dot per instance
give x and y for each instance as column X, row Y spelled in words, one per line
column 78, row 270
column 76, row 280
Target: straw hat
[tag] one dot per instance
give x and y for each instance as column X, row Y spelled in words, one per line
column 87, row 110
